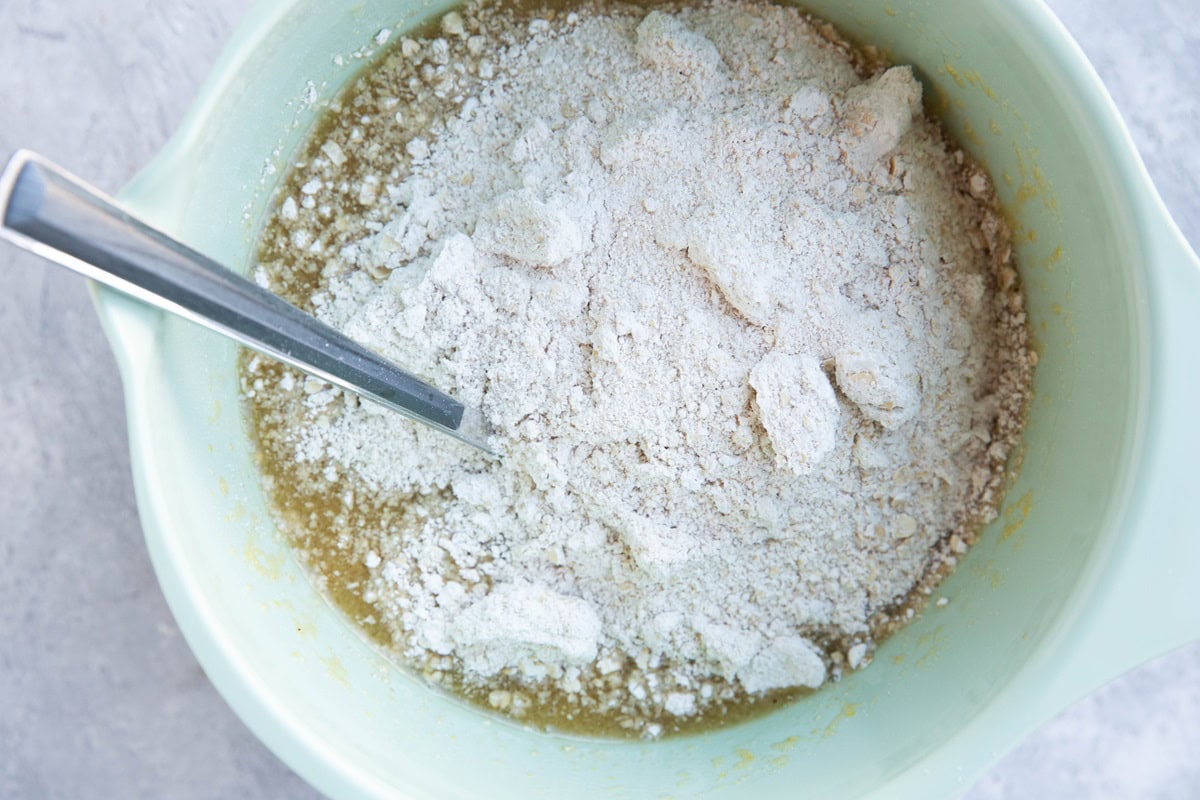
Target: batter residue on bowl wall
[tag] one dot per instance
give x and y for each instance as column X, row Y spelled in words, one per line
column 745, row 324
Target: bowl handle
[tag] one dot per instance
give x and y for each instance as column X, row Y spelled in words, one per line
column 1149, row 602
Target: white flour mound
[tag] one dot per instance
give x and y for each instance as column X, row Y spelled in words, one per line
column 737, row 322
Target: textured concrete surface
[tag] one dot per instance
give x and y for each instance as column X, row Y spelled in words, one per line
column 99, row 695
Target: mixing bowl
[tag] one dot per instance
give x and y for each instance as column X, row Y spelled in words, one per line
column 1089, row 569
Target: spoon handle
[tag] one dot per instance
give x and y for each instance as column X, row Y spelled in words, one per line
column 50, row 212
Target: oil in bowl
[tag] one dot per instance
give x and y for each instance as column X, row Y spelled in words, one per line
column 744, row 319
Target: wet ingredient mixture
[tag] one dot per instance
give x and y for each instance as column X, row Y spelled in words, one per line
column 746, row 325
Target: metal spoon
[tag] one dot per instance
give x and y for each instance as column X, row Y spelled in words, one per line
column 50, row 212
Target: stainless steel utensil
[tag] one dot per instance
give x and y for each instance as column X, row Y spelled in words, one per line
column 50, row 212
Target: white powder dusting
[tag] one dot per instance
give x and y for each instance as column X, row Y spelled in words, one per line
column 735, row 317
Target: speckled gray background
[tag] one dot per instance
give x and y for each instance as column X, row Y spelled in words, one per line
column 100, row 696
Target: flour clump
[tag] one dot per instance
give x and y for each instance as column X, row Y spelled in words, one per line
column 797, row 408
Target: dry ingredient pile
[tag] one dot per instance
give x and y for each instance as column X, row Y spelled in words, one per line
column 744, row 322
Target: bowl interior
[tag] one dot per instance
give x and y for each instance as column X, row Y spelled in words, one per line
column 350, row 721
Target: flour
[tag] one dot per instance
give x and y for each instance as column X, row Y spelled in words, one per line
column 735, row 314
column 797, row 408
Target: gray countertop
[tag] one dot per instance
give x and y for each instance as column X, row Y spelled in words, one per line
column 99, row 694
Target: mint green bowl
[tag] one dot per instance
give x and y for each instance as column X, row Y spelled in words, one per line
column 1090, row 569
